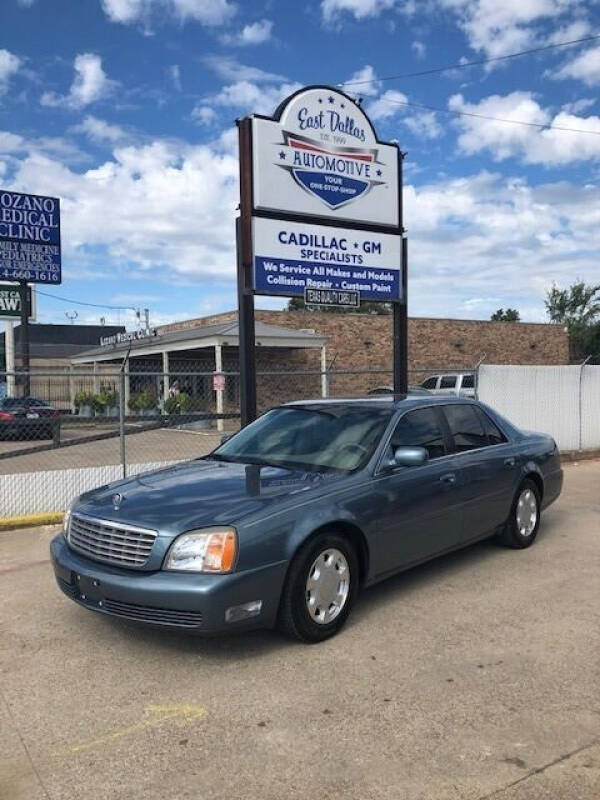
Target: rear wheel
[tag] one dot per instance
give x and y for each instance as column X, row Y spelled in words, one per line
column 320, row 589
column 523, row 523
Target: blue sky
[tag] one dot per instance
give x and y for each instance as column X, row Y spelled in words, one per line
column 125, row 109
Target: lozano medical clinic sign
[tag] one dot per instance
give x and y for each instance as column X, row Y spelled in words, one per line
column 29, row 238
column 325, row 200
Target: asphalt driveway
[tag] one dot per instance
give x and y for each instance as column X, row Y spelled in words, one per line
column 476, row 676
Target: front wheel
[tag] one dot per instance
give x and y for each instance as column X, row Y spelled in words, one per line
column 320, row 589
column 524, row 521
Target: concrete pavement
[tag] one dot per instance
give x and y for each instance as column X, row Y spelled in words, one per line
column 475, row 676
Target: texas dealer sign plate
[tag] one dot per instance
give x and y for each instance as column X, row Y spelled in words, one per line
column 320, row 157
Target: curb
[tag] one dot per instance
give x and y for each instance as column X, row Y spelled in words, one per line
column 31, row 520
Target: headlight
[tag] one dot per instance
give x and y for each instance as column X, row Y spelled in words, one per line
column 208, row 550
column 67, row 520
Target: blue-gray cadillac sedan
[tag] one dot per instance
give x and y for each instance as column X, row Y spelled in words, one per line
column 286, row 520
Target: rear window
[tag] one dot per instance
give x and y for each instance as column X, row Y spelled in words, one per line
column 430, row 383
column 448, row 382
column 468, row 382
column 466, row 427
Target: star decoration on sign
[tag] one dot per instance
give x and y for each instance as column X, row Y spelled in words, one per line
column 355, row 244
column 379, row 173
column 331, row 100
column 320, row 99
column 282, row 155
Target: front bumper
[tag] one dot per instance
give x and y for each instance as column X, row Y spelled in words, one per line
column 194, row 602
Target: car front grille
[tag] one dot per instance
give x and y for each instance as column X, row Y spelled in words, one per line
column 111, row 542
column 158, row 616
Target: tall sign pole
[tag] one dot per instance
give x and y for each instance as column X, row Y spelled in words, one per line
column 29, row 253
column 320, row 218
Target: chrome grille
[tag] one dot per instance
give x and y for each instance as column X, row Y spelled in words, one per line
column 112, row 542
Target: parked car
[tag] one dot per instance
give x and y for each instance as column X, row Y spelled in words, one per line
column 286, row 520
column 28, row 418
column 387, row 389
column 458, row 383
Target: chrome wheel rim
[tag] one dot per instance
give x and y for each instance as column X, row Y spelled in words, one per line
column 327, row 586
column 527, row 512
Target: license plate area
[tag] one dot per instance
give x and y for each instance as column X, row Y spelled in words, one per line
column 89, row 589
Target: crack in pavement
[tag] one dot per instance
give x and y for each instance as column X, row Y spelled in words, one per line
column 539, row 770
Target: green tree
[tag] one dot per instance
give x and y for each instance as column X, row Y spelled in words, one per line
column 298, row 304
column 578, row 308
column 510, row 315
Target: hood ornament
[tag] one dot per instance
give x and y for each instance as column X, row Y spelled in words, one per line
column 117, row 499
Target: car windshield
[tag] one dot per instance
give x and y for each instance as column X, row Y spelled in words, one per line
column 317, row 438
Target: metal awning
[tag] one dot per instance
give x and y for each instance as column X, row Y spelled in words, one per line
column 225, row 334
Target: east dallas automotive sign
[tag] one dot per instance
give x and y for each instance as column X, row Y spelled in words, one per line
column 325, row 200
column 10, row 302
column 320, row 157
column 29, row 238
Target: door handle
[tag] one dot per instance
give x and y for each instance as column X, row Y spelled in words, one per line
column 449, row 478
column 509, row 462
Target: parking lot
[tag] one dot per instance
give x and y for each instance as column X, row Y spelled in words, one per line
column 476, row 676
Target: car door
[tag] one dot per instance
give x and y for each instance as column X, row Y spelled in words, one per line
column 416, row 508
column 486, row 470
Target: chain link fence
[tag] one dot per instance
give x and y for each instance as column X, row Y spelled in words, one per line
column 64, row 431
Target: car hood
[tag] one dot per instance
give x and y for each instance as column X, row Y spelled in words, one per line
column 197, row 494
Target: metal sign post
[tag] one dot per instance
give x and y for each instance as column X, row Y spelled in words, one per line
column 321, row 214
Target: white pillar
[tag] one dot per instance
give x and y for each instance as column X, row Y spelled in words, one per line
column 9, row 347
column 95, row 378
column 324, row 387
column 165, row 369
column 220, row 392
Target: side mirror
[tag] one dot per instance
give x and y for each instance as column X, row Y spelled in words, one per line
column 410, row 456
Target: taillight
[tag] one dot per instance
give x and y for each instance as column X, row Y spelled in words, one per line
column 5, row 415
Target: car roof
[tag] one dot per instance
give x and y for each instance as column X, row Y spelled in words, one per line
column 398, row 402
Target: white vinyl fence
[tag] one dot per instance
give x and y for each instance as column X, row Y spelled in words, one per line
column 563, row 401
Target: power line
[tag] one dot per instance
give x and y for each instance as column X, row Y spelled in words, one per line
column 437, row 70
column 82, row 303
column 539, row 125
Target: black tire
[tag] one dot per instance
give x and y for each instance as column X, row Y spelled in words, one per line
column 511, row 535
column 295, row 620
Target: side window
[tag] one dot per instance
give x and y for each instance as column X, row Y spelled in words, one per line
column 430, row 383
column 448, row 382
column 420, row 428
column 492, row 431
column 468, row 382
column 465, row 427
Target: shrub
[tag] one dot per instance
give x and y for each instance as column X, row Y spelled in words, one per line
column 84, row 398
column 142, row 401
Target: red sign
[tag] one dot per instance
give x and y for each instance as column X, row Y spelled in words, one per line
column 218, row 382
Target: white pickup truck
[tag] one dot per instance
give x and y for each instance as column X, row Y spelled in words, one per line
column 458, row 383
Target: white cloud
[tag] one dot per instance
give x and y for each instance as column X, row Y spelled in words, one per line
column 584, row 67
column 166, row 205
column 497, row 239
column 230, row 69
column 89, row 85
column 386, row 105
column 255, row 33
column 100, row 131
column 419, row 49
column 175, row 75
column 247, row 97
column 533, row 145
column 204, row 115
column 9, row 66
column 26, row 3
column 423, row 124
column 364, row 82
column 332, row 9
column 207, row 12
